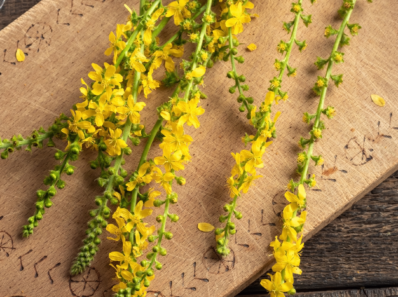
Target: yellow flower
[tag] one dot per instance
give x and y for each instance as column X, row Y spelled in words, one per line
column 101, row 110
column 170, row 161
column 191, row 112
column 178, row 9
column 299, row 200
column 116, row 230
column 164, row 179
column 290, row 222
column 237, row 170
column 176, row 140
column 114, row 143
column 287, row 261
column 140, row 244
column 275, row 286
column 117, row 45
column 152, row 194
column 135, row 219
column 249, row 182
column 197, row 72
column 150, row 25
column 148, row 84
column 144, row 176
column 233, row 191
column 76, row 125
column 136, row 60
column 239, row 18
column 124, row 258
column 132, row 110
column 20, row 55
column 104, row 79
column 252, row 47
column 164, row 55
column 253, row 158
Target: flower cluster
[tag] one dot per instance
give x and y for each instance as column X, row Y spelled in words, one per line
column 287, row 253
column 244, row 172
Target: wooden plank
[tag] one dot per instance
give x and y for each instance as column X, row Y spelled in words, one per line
column 47, row 83
column 383, row 292
column 358, row 249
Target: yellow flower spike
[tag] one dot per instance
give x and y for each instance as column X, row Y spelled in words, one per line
column 275, row 286
column 178, row 10
column 176, row 140
column 20, row 55
column 205, row 227
column 239, row 18
column 252, row 47
column 132, row 110
column 378, row 100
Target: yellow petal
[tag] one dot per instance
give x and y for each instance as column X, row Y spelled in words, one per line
column 205, row 227
column 252, row 47
column 20, row 55
column 378, row 100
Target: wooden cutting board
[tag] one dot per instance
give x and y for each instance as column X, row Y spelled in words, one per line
column 63, row 37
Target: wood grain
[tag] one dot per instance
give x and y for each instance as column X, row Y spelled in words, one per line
column 47, row 84
column 384, row 292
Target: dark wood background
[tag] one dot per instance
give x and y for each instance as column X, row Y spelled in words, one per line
column 356, row 255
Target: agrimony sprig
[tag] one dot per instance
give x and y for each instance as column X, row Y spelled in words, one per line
column 287, row 251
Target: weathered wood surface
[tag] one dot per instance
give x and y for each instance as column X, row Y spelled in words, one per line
column 365, row 156
column 384, row 292
column 358, row 249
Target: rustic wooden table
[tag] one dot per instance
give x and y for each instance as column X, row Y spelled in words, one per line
column 355, row 255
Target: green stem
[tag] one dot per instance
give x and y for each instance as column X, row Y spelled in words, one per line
column 291, row 43
column 27, row 141
column 324, row 91
column 198, row 48
column 135, row 33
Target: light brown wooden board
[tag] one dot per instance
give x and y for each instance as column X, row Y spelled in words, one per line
column 359, row 146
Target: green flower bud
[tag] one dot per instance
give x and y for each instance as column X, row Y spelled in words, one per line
column 108, row 195
column 98, row 201
column 69, row 170
column 158, row 203
column 222, row 219
column 4, row 155
column 155, row 249
column 112, row 170
column 219, row 231
column 146, row 283
column 158, row 266
column 232, row 90
column 231, row 74
column 242, row 78
column 168, row 235
column 231, row 225
column 163, row 251
column 59, row 155
column 93, row 164
column 114, row 201
column 234, row 51
column 245, row 88
column 48, row 203
column 181, row 181
column 51, row 192
column 242, row 108
column 232, row 232
column 238, row 215
column 136, row 141
column 127, row 151
column 102, row 147
column 250, row 100
column 159, row 219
